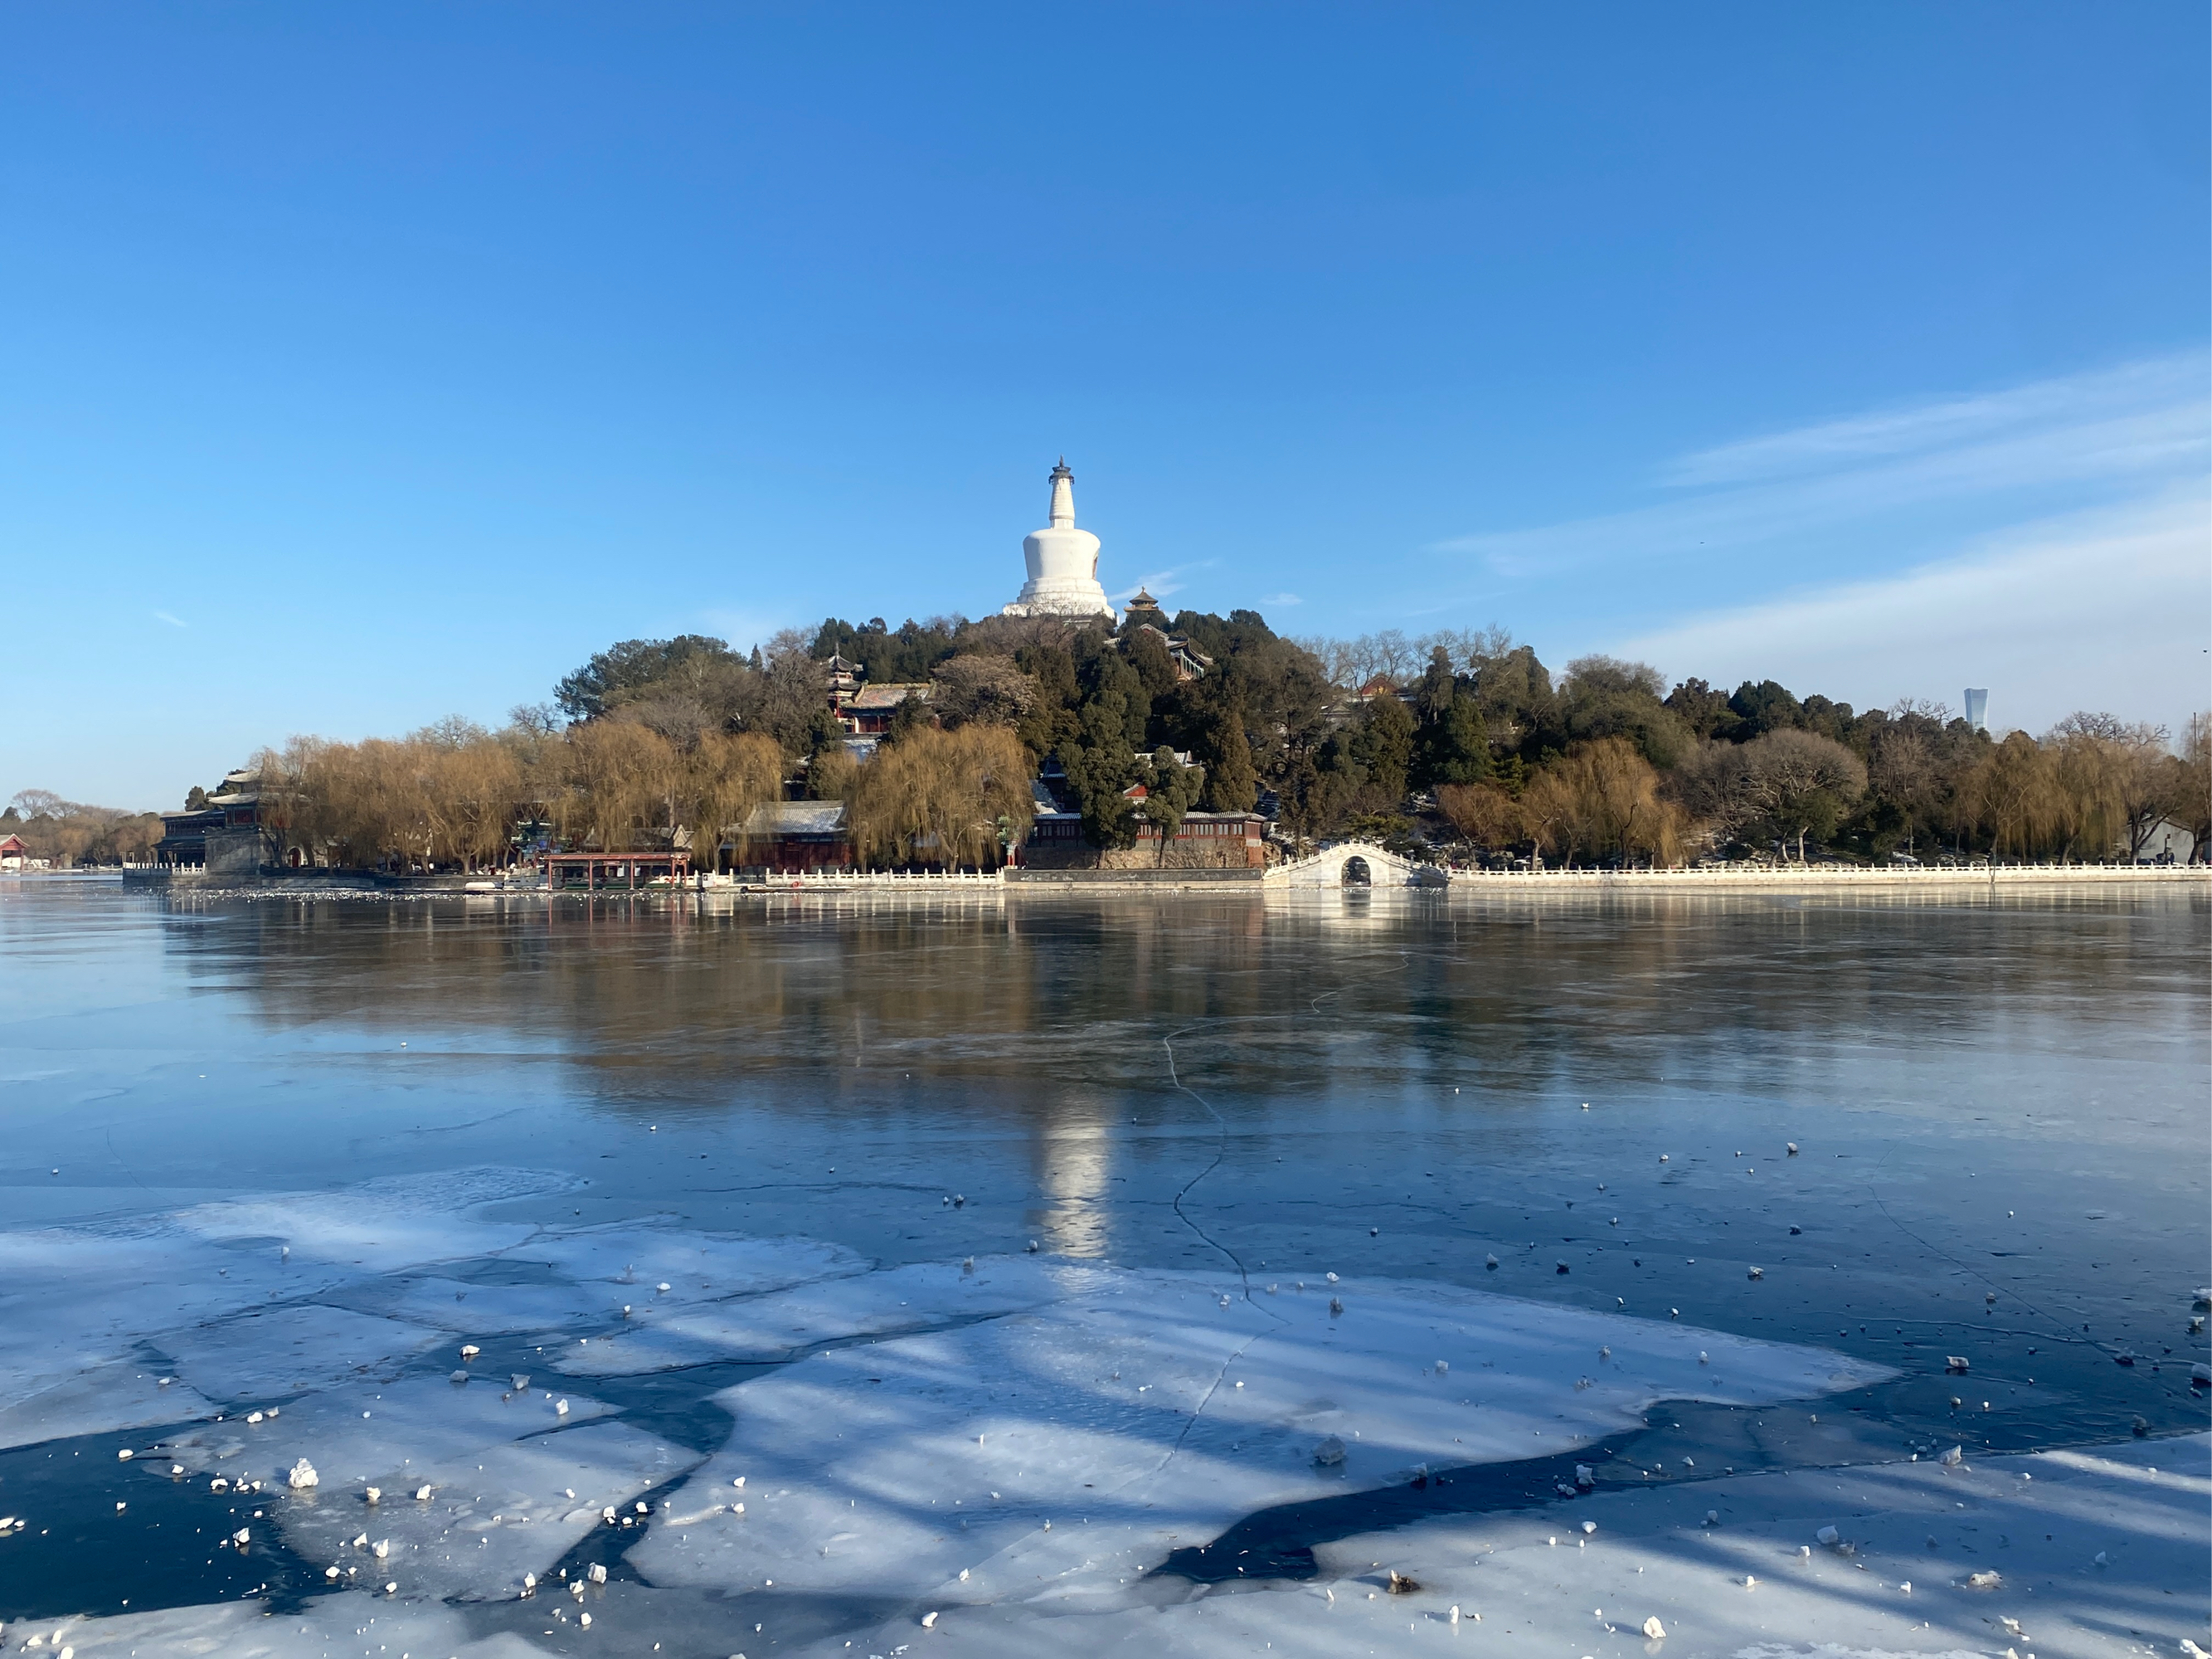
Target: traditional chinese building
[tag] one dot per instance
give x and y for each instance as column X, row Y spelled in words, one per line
column 869, row 711
column 796, row 835
column 225, row 836
column 1204, row 841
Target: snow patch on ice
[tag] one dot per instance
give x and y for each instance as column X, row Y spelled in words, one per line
column 382, row 1225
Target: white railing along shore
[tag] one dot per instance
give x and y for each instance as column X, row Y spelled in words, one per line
column 1464, row 878
column 1982, row 872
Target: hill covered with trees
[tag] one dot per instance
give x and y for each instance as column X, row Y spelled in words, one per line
column 1461, row 741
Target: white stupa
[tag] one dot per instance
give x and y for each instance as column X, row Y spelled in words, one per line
column 1063, row 562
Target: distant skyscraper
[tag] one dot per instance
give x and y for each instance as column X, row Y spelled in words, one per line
column 1978, row 708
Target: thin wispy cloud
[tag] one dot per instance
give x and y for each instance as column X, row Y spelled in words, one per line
column 1159, row 583
column 2133, row 432
column 2165, row 384
column 173, row 622
column 1282, row 599
column 2109, row 609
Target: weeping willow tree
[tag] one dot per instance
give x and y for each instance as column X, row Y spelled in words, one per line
column 1601, row 800
column 2014, row 796
column 454, row 793
column 615, row 776
column 447, row 794
column 628, row 786
column 724, row 778
column 948, row 799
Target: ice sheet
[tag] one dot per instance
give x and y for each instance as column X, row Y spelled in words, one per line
column 381, row 1434
column 464, row 1308
column 281, row 1351
column 375, row 1626
column 121, row 1395
column 495, row 1513
column 920, row 1296
column 637, row 1256
column 1116, row 1417
column 381, row 1225
column 1540, row 1586
column 586, row 1276
column 76, row 1302
column 75, row 1297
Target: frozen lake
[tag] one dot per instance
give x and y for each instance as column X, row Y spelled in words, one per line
column 989, row 1243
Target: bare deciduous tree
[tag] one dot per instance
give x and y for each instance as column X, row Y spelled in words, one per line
column 1483, row 814
column 1398, row 657
column 1785, row 785
column 982, row 689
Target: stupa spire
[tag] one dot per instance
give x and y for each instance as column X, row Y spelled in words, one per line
column 1063, row 496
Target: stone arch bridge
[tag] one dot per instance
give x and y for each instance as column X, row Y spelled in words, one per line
column 1354, row 863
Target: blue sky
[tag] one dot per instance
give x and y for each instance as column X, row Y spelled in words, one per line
column 366, row 365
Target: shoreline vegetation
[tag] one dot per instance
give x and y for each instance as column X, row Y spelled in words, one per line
column 1456, row 748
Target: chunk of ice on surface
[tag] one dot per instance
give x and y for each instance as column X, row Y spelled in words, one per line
column 460, row 1306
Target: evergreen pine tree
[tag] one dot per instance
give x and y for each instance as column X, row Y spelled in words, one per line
column 1232, row 784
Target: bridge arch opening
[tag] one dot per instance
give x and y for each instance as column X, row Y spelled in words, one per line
column 1356, row 873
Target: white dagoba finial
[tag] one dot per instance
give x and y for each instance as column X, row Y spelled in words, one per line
column 1062, row 516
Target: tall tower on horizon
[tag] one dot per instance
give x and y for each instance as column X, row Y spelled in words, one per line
column 1978, row 708
column 1062, row 561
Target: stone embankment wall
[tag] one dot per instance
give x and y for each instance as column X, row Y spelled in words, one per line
column 1144, row 878
column 1227, row 852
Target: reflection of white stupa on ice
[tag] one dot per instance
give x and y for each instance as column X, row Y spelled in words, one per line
column 1063, row 562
